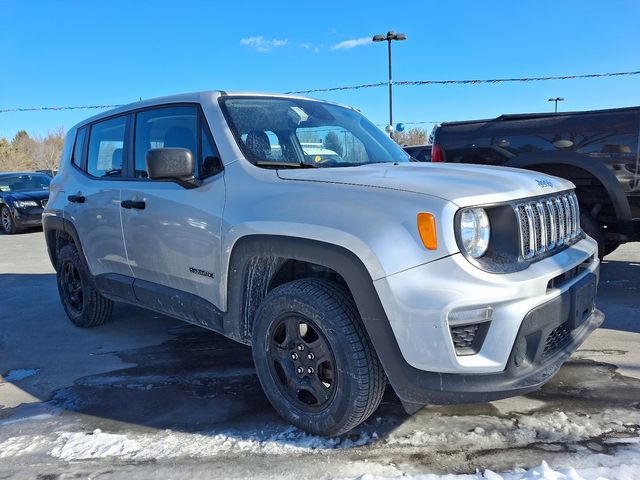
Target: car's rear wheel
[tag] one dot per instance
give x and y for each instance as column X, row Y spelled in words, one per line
column 8, row 224
column 313, row 358
column 84, row 305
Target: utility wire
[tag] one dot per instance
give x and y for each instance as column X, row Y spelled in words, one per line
column 370, row 85
column 469, row 82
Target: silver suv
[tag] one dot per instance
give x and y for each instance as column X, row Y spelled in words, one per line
column 454, row 283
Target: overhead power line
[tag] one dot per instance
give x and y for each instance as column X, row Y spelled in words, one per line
column 369, row 85
column 470, row 82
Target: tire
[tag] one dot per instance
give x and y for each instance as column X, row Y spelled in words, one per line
column 593, row 229
column 8, row 224
column 312, row 323
column 84, row 305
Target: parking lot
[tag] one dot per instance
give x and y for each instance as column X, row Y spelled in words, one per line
column 170, row 399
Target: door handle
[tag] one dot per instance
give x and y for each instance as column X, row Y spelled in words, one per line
column 76, row 198
column 138, row 205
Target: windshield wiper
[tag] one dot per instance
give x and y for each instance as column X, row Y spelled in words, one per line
column 112, row 172
column 269, row 163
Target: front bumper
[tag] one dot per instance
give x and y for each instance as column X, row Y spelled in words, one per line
column 529, row 367
column 532, row 330
column 27, row 217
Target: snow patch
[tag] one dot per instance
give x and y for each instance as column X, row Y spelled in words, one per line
column 22, row 445
column 168, row 444
column 541, row 472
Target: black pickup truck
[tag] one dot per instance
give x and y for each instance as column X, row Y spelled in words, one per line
column 597, row 150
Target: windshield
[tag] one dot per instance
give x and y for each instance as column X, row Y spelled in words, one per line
column 19, row 183
column 281, row 132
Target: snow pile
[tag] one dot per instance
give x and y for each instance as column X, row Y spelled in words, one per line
column 168, row 444
column 22, row 445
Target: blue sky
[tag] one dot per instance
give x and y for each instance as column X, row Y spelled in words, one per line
column 72, row 52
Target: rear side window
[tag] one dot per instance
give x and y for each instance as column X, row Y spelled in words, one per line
column 106, row 148
column 164, row 128
column 79, row 147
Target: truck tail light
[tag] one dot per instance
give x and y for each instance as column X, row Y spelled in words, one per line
column 437, row 153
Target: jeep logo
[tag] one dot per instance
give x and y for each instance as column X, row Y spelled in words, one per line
column 544, row 183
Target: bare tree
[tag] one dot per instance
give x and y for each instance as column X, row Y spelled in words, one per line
column 413, row 136
column 25, row 153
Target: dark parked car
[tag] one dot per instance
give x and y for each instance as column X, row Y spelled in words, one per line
column 23, row 197
column 422, row 153
column 597, row 150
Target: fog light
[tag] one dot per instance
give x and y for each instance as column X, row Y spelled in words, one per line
column 476, row 315
column 469, row 328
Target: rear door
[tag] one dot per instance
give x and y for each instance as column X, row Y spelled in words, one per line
column 93, row 192
column 173, row 241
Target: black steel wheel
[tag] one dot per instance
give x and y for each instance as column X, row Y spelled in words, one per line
column 302, row 362
column 84, row 305
column 72, row 286
column 314, row 359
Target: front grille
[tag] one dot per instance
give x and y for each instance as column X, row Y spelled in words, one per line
column 557, row 339
column 547, row 223
column 43, row 203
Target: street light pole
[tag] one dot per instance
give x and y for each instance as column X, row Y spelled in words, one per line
column 556, row 100
column 389, row 37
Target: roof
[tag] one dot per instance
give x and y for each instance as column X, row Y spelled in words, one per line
column 529, row 116
column 192, row 97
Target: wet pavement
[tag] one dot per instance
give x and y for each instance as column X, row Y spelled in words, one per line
column 148, row 396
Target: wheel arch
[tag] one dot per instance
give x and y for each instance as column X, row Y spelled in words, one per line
column 58, row 232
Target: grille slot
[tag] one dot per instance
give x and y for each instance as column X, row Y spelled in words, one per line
column 547, row 223
column 557, row 339
column 467, row 339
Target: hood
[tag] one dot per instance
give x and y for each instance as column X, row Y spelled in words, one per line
column 463, row 184
column 28, row 195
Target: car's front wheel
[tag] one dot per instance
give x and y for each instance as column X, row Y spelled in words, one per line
column 313, row 358
column 8, row 224
column 84, row 305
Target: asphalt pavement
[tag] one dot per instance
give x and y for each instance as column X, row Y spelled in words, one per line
column 149, row 396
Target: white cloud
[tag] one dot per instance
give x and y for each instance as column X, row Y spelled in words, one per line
column 262, row 44
column 356, row 42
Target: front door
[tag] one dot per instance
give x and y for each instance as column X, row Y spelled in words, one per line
column 172, row 234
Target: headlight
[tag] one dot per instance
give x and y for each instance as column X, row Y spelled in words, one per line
column 25, row 203
column 475, row 231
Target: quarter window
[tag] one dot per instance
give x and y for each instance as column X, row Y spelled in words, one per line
column 78, row 147
column 106, row 148
column 211, row 161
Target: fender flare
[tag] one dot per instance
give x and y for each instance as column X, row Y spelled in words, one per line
column 350, row 268
column 594, row 168
column 52, row 224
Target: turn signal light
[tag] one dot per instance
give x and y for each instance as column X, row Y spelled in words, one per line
column 427, row 230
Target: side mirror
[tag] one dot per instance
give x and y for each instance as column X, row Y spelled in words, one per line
column 172, row 164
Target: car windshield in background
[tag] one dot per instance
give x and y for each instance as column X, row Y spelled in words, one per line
column 21, row 183
column 288, row 132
